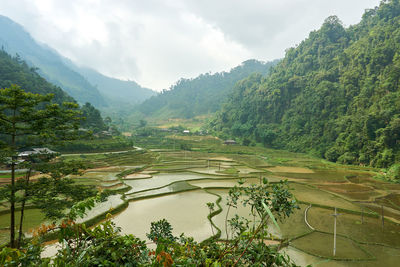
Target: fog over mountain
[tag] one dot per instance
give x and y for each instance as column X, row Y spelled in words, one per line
column 158, row 42
column 83, row 84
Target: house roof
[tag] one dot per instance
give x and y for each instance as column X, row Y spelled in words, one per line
column 44, row 150
column 40, row 150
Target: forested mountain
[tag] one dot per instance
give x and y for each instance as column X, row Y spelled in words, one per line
column 16, row 71
column 85, row 85
column 336, row 94
column 13, row 70
column 15, row 40
column 201, row 95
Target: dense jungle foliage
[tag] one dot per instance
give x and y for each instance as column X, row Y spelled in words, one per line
column 202, row 95
column 335, row 95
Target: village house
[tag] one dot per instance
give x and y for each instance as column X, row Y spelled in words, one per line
column 230, row 142
column 42, row 152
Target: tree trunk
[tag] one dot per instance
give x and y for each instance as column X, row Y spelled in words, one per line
column 12, row 202
column 12, row 196
column 26, row 194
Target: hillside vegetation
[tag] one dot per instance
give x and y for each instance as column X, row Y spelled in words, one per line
column 16, row 71
column 15, row 40
column 13, row 70
column 202, row 95
column 335, row 95
column 85, row 85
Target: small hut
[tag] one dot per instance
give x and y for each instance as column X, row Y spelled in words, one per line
column 230, row 142
column 42, row 152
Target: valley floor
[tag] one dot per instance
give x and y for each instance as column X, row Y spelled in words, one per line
column 152, row 184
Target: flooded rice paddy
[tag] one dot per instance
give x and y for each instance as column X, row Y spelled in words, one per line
column 178, row 186
column 137, row 217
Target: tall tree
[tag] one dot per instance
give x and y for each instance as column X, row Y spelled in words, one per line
column 28, row 120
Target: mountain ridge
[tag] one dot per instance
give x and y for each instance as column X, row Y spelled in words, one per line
column 335, row 95
column 201, row 95
column 63, row 72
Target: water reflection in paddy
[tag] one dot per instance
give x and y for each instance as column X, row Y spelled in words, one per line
column 174, row 187
column 112, row 202
column 223, row 182
column 187, row 212
column 161, row 179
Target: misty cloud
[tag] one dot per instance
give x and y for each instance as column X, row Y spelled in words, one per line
column 157, row 42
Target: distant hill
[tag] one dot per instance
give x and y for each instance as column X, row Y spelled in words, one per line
column 15, row 40
column 202, row 95
column 115, row 91
column 13, row 70
column 85, row 85
column 336, row 95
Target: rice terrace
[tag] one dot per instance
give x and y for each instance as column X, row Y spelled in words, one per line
column 151, row 184
column 200, row 133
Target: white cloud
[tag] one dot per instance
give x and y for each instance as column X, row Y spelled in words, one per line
column 157, row 42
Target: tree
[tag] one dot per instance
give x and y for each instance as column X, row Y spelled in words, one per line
column 93, row 119
column 142, row 123
column 28, row 120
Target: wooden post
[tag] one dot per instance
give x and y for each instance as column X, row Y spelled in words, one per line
column 334, row 232
column 334, row 236
column 362, row 216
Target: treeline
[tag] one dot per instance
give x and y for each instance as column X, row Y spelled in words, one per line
column 335, row 95
column 202, row 95
column 14, row 70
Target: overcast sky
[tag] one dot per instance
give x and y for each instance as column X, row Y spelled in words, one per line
column 156, row 42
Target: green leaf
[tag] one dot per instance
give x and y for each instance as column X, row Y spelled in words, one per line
column 271, row 215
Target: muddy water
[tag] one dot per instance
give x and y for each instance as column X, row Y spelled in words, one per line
column 187, row 212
